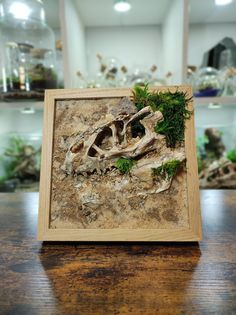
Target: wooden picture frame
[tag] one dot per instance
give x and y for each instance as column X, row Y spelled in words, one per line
column 192, row 230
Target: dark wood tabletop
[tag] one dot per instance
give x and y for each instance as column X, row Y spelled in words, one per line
column 117, row 278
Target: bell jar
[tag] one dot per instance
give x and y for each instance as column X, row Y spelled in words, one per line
column 207, row 83
column 27, row 51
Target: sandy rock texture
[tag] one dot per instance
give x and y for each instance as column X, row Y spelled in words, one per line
column 88, row 191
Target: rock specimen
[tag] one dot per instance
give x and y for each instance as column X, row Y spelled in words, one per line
column 215, row 145
column 219, row 174
column 217, row 169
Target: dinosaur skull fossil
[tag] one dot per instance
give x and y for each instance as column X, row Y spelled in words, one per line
column 98, row 149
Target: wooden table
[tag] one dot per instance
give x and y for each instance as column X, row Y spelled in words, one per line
column 118, row 278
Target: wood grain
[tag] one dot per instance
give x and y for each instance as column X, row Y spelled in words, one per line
column 191, row 233
column 119, row 278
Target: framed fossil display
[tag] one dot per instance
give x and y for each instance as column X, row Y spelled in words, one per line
column 119, row 165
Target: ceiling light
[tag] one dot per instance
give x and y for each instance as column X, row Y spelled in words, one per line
column 223, row 2
column 122, row 6
column 20, row 10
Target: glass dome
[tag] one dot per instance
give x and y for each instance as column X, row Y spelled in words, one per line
column 207, row 82
column 27, row 50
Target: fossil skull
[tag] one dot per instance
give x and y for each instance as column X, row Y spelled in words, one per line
column 98, row 149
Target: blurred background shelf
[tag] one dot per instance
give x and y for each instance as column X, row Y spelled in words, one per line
column 218, row 100
column 27, row 107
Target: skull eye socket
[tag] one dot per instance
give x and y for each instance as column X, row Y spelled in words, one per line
column 119, row 126
column 92, row 152
column 103, row 139
column 137, row 128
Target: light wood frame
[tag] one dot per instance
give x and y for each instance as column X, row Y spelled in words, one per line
column 45, row 233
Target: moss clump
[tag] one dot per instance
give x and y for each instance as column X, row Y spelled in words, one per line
column 124, row 165
column 141, row 96
column 173, row 107
column 167, row 170
column 231, row 155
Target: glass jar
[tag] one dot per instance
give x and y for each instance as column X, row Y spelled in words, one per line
column 229, row 81
column 139, row 76
column 207, row 82
column 27, row 50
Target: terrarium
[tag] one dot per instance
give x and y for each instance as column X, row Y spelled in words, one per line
column 20, row 162
column 27, row 50
column 207, row 82
column 216, row 146
column 20, row 146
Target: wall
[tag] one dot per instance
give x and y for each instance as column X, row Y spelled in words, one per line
column 174, row 58
column 57, row 33
column 204, row 36
column 132, row 45
column 73, row 38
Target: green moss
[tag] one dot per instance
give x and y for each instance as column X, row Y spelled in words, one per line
column 167, row 170
column 141, row 96
column 39, row 73
column 124, row 165
column 231, row 155
column 172, row 105
column 11, row 157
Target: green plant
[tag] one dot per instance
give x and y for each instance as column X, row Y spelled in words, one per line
column 17, row 157
column 201, row 141
column 11, row 157
column 167, row 170
column 124, row 165
column 16, row 146
column 3, row 179
column 231, row 155
column 141, row 96
column 201, row 153
column 172, row 105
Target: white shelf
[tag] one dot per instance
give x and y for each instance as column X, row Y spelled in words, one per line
column 21, row 105
column 218, row 100
column 198, row 101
